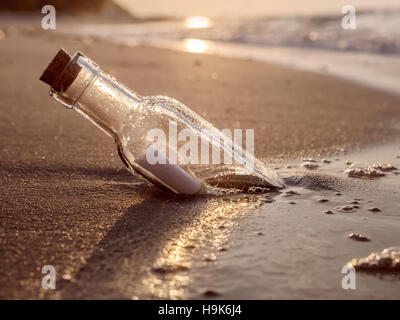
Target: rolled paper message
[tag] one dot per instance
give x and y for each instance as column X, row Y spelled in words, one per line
column 169, row 173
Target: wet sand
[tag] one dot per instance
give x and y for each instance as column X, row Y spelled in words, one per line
column 296, row 246
column 68, row 201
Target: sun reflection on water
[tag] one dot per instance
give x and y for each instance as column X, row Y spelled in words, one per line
column 198, row 22
column 197, row 244
column 195, row 45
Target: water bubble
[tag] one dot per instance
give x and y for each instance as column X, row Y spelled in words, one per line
column 345, row 208
column 309, row 165
column 386, row 261
column 384, row 166
column 358, row 237
column 67, row 277
column 290, row 193
column 358, row 170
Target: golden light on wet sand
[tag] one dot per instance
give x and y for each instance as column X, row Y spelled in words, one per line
column 195, row 45
column 198, row 22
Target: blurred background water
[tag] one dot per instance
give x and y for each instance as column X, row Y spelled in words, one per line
column 289, row 23
column 307, row 35
column 377, row 31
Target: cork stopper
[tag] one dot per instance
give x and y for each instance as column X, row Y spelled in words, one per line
column 57, row 75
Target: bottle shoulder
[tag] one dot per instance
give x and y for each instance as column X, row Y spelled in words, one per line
column 171, row 105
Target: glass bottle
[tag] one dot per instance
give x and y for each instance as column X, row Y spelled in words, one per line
column 131, row 119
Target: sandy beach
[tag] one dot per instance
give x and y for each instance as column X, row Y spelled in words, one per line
column 68, row 201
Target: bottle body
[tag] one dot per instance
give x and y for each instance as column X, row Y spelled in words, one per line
column 159, row 137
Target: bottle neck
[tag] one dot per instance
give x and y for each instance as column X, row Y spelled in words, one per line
column 100, row 98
